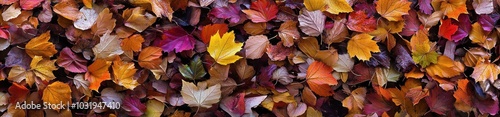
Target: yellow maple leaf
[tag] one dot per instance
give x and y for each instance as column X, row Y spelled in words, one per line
column 313, row 5
column 452, row 8
column 56, row 93
column 40, row 46
column 393, row 10
column 421, row 50
column 338, row 6
column 138, row 19
column 478, row 36
column 123, row 73
column 43, row 68
column 199, row 95
column 361, row 46
column 223, row 49
column 485, row 71
column 444, row 67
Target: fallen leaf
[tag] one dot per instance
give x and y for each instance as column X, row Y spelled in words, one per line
column 312, row 5
column 108, row 47
column 199, row 95
column 12, row 12
column 355, row 102
column 485, row 71
column 479, row 36
column 43, row 68
column 18, row 93
column 123, row 73
column 87, row 20
column 256, row 46
column 154, row 108
column 40, row 46
column 261, row 11
column 440, row 101
column 320, row 79
column 222, row 49
column 176, row 39
column 98, row 72
column 150, row 57
column 447, row 29
column 421, row 50
column 133, row 106
column 338, row 6
column 71, row 62
column 208, row 30
column 104, row 23
column 443, row 68
column 68, row 9
column 56, row 93
column 194, row 71
column 231, row 12
column 360, row 22
column 296, row 110
column 162, row 8
column 453, row 8
column 138, row 19
column 361, row 46
column 483, row 6
column 312, row 23
column 132, row 43
column 393, row 10
column 288, row 33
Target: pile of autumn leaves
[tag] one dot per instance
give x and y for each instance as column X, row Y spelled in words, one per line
column 288, row 58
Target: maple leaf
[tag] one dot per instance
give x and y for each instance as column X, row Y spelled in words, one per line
column 222, row 49
column 393, row 10
column 71, row 62
column 313, row 5
column 262, row 11
column 108, row 47
column 288, row 32
column 453, row 8
column 132, row 43
column 40, row 46
column 176, row 39
column 208, row 30
column 447, row 29
column 98, row 72
column 355, row 102
column 150, row 57
column 138, row 19
column 312, row 23
column 104, row 23
column 123, row 73
column 43, row 68
column 320, row 79
column 445, row 67
column 361, row 46
column 194, row 71
column 338, row 6
column 360, row 22
column 199, row 95
column 421, row 50
column 255, row 46
column 57, row 92
column 68, row 9
column 479, row 36
column 485, row 71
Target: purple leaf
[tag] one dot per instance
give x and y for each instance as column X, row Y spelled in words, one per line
column 486, row 22
column 71, row 62
column 380, row 59
column 403, row 60
column 375, row 104
column 17, row 57
column 133, row 106
column 360, row 73
column 464, row 27
column 176, row 39
column 231, row 12
column 368, row 8
column 425, row 6
column 440, row 101
column 20, row 35
column 264, row 78
column 411, row 23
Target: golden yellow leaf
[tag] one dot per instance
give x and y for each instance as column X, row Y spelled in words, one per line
column 223, row 49
column 361, row 46
column 421, row 49
column 313, row 5
column 485, row 71
column 445, row 68
column 132, row 43
column 40, row 46
column 87, row 3
column 43, row 68
column 393, row 10
column 338, row 6
column 138, row 19
column 479, row 36
column 311, row 112
column 199, row 95
column 123, row 73
column 56, row 93
column 453, row 8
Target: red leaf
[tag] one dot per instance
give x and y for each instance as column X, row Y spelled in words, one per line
column 447, row 29
column 176, row 39
column 29, row 4
column 262, row 11
column 71, row 62
column 209, row 30
column 374, row 103
column 264, row 78
column 18, row 93
column 133, row 106
column 234, row 105
column 360, row 73
column 360, row 22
